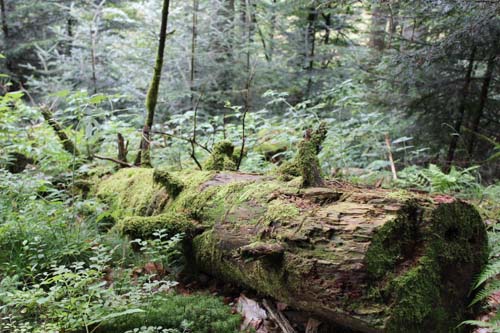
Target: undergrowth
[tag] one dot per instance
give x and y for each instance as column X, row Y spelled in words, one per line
column 60, row 273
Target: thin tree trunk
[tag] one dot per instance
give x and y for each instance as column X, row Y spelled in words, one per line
column 152, row 96
column 377, row 30
column 482, row 102
column 5, row 26
column 271, row 33
column 461, row 111
column 122, row 148
column 393, row 21
column 93, row 60
column 247, row 94
column 193, row 49
column 311, row 43
column 70, row 34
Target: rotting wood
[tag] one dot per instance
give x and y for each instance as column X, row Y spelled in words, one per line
column 373, row 260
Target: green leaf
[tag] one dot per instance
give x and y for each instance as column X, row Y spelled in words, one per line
column 116, row 315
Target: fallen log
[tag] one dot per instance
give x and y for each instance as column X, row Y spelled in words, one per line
column 372, row 260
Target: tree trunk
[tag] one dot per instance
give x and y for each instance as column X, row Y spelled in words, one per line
column 152, row 96
column 122, row 149
column 311, row 44
column 368, row 259
column 377, row 29
column 272, row 31
column 5, row 26
column 461, row 112
column 482, row 102
column 194, row 35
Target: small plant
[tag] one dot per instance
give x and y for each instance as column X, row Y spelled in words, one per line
column 433, row 179
column 153, row 329
column 69, row 298
column 488, row 285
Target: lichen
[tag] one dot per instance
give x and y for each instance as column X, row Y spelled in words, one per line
column 222, row 157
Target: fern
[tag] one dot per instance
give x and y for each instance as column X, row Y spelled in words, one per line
column 433, row 179
column 484, row 294
column 494, row 325
column 488, row 283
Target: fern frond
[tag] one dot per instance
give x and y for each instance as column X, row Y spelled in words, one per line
column 490, row 271
column 480, row 323
column 491, row 288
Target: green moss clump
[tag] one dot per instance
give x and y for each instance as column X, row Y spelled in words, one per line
column 265, row 276
column 306, row 162
column 395, row 241
column 222, row 157
column 417, row 261
column 144, row 227
column 129, row 191
column 280, row 211
column 172, row 184
column 201, row 313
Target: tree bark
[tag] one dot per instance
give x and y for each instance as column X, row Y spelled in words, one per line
column 377, row 29
column 461, row 112
column 194, row 35
column 152, row 96
column 311, row 44
column 122, row 148
column 5, row 26
column 368, row 259
column 482, row 103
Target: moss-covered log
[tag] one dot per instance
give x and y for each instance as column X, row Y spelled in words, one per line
column 372, row 260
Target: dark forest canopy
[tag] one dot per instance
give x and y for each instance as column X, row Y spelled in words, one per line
column 392, row 95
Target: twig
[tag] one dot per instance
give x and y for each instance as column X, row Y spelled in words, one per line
column 193, row 138
column 183, row 139
column 121, row 163
column 312, row 325
column 248, row 85
column 278, row 317
column 391, row 160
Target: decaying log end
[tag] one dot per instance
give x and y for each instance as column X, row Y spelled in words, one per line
column 371, row 260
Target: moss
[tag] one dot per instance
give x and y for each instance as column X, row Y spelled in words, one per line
column 129, row 191
column 394, row 242
column 203, row 314
column 172, row 184
column 280, row 211
column 144, row 227
column 416, row 293
column 306, row 162
column 266, row 276
column 210, row 204
column 420, row 283
column 222, row 157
